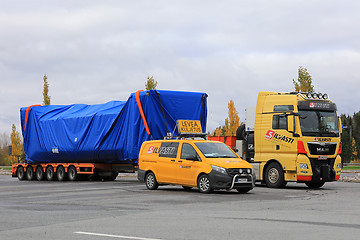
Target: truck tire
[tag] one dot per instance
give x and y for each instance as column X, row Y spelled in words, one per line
column 61, row 174
column 39, row 173
column 314, row 185
column 21, row 173
column 274, row 176
column 50, row 174
column 30, row 174
column 72, row 173
column 203, row 184
column 240, row 132
column 150, row 181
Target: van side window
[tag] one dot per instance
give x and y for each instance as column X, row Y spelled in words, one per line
column 279, row 122
column 168, row 149
column 188, row 152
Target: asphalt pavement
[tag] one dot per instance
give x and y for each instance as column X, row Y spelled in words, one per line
column 125, row 209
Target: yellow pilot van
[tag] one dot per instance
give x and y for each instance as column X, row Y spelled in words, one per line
column 207, row 165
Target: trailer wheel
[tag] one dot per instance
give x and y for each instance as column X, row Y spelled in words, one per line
column 39, row 173
column 274, row 176
column 72, row 173
column 314, row 185
column 150, row 181
column 50, row 174
column 203, row 184
column 21, row 173
column 60, row 173
column 30, row 174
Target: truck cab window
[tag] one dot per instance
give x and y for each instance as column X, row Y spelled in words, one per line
column 279, row 122
column 188, row 152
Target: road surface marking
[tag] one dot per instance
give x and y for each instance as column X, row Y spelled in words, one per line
column 115, row 236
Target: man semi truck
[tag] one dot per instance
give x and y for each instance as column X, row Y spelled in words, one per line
column 292, row 137
column 99, row 141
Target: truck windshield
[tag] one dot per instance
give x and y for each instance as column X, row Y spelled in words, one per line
column 215, row 150
column 319, row 123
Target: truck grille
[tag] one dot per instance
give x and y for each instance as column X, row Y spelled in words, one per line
column 317, row 148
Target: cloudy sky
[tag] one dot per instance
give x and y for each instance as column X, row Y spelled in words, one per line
column 97, row 51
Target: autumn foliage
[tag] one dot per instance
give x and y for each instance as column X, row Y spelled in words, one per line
column 304, row 81
column 150, row 84
column 232, row 122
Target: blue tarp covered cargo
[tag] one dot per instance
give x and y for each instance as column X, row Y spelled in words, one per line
column 106, row 133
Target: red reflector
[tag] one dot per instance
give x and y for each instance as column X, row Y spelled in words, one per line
column 337, row 177
column 301, row 147
column 304, row 178
column 340, row 148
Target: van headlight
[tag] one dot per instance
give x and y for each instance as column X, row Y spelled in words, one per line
column 219, row 169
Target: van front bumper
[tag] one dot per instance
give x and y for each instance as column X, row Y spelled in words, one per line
column 224, row 181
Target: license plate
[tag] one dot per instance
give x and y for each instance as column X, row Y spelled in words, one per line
column 241, row 180
column 322, row 157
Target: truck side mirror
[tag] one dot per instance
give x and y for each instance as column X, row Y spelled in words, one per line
column 290, row 123
column 340, row 125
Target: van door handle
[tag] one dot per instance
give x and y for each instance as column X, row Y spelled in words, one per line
column 173, row 160
column 179, row 161
column 277, row 147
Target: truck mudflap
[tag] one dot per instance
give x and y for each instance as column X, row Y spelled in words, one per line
column 224, row 181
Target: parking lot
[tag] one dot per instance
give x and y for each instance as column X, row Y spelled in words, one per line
column 125, row 209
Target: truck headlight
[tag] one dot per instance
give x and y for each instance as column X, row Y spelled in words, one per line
column 338, row 165
column 303, row 166
column 219, row 169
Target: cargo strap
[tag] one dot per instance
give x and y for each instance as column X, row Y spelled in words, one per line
column 137, row 97
column 27, row 113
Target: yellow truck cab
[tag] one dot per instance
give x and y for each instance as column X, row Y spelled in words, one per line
column 292, row 137
column 207, row 165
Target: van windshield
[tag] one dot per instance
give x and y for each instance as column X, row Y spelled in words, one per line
column 215, row 150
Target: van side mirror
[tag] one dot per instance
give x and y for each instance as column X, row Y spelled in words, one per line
column 193, row 158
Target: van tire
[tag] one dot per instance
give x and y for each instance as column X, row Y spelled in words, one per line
column 150, row 181
column 203, row 184
column 240, row 132
column 274, row 176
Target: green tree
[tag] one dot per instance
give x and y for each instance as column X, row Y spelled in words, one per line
column 150, row 84
column 232, row 122
column 4, row 149
column 46, row 91
column 346, row 139
column 356, row 136
column 16, row 144
column 304, row 81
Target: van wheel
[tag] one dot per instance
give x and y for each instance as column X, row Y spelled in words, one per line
column 203, row 184
column 150, row 181
column 30, row 174
column 40, row 175
column 50, row 175
column 314, row 185
column 243, row 190
column 60, row 173
column 21, row 173
column 274, row 176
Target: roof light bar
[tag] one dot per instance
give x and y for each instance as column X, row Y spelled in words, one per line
column 311, row 95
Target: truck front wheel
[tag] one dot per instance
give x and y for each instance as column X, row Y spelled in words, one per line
column 314, row 185
column 274, row 176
